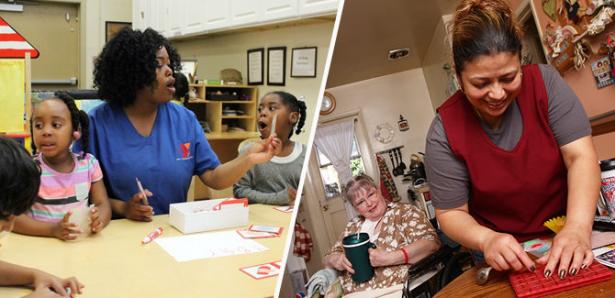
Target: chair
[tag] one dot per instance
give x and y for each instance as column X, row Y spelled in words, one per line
column 448, row 262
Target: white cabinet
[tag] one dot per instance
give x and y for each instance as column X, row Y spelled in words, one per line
column 173, row 18
column 217, row 14
column 190, row 17
column 138, row 14
column 245, row 12
column 154, row 12
column 193, row 17
column 274, row 10
column 317, row 7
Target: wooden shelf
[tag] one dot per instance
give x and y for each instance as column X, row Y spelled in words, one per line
column 212, row 111
column 224, row 144
column 198, row 100
column 603, row 123
column 231, row 135
column 237, row 117
column 222, row 86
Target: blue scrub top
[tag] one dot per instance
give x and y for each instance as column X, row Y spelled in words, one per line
column 164, row 161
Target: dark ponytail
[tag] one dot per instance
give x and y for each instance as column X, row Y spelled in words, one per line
column 302, row 115
column 84, row 123
column 294, row 105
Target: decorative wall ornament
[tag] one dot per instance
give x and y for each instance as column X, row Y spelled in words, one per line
column 550, row 7
column 384, row 133
column 577, row 20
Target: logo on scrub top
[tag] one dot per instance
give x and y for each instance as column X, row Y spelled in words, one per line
column 185, row 151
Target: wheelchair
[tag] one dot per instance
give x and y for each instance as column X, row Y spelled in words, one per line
column 447, row 263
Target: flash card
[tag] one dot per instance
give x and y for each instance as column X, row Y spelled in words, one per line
column 273, row 123
column 268, row 229
column 537, row 247
column 285, row 209
column 247, row 234
column 263, row 270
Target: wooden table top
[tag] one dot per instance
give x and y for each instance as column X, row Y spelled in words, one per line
column 498, row 286
column 114, row 263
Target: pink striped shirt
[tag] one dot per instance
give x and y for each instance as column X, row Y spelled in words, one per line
column 61, row 192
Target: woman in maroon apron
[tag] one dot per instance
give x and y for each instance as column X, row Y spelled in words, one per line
column 510, row 150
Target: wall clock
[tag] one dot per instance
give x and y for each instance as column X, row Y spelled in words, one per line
column 328, row 104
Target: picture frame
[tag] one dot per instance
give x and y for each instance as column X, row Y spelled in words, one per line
column 256, row 66
column 276, row 66
column 112, row 28
column 189, row 69
column 304, row 62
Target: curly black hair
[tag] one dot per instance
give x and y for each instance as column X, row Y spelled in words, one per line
column 128, row 63
column 20, row 179
column 78, row 118
column 295, row 106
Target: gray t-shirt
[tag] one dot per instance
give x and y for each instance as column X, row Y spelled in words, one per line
column 268, row 183
column 448, row 176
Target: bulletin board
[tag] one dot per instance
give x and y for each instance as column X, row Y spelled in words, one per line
column 12, row 82
column 15, row 80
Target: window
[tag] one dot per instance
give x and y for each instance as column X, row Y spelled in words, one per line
column 329, row 175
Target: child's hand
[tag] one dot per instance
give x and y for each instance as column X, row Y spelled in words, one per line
column 43, row 293
column 135, row 210
column 96, row 224
column 264, row 150
column 292, row 195
column 47, row 285
column 66, row 230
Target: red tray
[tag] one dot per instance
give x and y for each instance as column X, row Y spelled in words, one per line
column 534, row 284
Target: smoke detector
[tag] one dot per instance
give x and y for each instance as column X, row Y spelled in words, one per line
column 398, row 53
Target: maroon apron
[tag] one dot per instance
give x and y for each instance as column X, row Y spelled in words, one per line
column 513, row 191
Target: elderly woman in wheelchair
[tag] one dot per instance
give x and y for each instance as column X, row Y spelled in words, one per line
column 401, row 233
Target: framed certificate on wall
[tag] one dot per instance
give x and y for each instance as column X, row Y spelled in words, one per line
column 303, row 62
column 276, row 66
column 255, row 66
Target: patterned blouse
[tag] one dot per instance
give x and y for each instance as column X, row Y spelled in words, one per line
column 402, row 224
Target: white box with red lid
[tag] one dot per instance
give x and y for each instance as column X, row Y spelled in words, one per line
column 208, row 215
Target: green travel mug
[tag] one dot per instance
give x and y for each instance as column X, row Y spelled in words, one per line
column 356, row 248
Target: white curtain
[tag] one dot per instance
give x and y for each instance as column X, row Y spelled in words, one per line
column 335, row 142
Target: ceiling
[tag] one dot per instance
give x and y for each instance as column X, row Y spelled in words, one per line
column 369, row 29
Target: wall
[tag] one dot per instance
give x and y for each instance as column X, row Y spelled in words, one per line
column 218, row 52
column 96, row 13
column 438, row 54
column 58, row 43
column 92, row 15
column 595, row 101
column 381, row 100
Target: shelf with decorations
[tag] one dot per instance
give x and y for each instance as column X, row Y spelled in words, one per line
column 227, row 109
column 229, row 113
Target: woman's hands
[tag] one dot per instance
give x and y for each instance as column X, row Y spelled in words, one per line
column 503, row 252
column 570, row 252
column 135, row 210
column 263, row 150
column 379, row 257
column 339, row 262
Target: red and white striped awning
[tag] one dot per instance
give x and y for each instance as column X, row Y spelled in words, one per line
column 12, row 44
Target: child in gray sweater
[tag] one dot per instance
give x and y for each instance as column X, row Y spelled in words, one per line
column 276, row 181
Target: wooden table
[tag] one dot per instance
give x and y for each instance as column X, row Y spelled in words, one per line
column 114, row 263
column 498, row 286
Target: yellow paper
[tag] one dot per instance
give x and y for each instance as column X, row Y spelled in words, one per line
column 556, row 224
column 12, row 95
